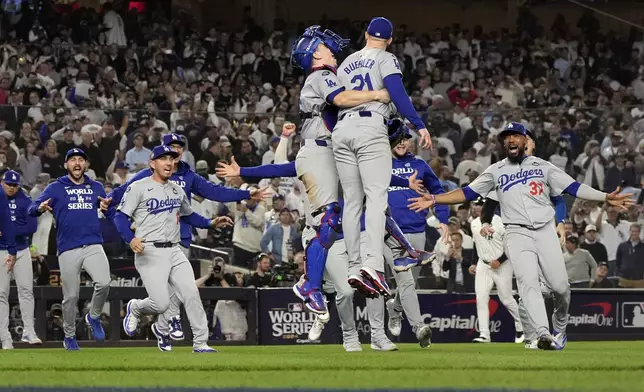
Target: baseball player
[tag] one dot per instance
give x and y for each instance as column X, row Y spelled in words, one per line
column 155, row 207
column 24, row 227
column 523, row 186
column 489, row 208
column 8, row 251
column 74, row 201
column 190, row 182
column 412, row 226
column 492, row 270
column 361, row 145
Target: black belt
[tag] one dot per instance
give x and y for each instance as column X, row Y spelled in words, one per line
column 164, row 244
column 365, row 113
column 321, row 143
column 522, row 225
column 308, row 115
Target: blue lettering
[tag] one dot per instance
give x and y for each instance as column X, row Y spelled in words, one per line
column 156, row 206
column 363, row 63
column 507, row 181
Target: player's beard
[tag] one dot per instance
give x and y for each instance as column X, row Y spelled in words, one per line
column 518, row 158
column 76, row 173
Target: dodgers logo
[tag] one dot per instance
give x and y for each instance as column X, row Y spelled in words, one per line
column 156, row 206
column 507, row 181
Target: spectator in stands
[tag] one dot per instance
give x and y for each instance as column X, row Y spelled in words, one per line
column 247, row 232
column 596, row 248
column 138, row 156
column 52, row 161
column 281, row 236
column 262, row 276
column 630, row 260
column 230, row 315
column 277, row 204
column 580, row 264
column 457, row 263
column 467, row 165
column 612, row 232
column 29, row 164
column 601, row 280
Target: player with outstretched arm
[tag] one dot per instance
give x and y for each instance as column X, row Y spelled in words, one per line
column 74, row 201
column 156, row 207
column 361, row 146
column 523, row 186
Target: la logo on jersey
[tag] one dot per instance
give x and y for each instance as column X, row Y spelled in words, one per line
column 80, row 199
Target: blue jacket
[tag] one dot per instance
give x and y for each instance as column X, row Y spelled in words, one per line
column 190, row 182
column 6, row 227
column 275, row 236
column 75, row 209
column 409, row 221
column 23, row 224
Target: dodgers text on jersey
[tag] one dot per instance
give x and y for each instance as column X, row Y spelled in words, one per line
column 156, row 206
column 507, row 181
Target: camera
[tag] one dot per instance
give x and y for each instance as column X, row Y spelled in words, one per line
column 283, row 275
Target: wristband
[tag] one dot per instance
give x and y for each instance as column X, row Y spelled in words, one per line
column 433, row 200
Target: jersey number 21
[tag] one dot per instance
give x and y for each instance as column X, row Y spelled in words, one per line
column 359, row 81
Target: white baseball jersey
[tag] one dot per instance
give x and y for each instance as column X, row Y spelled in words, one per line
column 155, row 209
column 488, row 249
column 523, row 190
column 365, row 70
column 317, row 88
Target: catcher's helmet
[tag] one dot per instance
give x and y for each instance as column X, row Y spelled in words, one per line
column 397, row 131
column 307, row 43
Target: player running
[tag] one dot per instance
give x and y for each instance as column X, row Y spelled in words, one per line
column 74, row 200
column 24, row 227
column 8, row 251
column 156, row 207
column 361, row 146
column 524, row 185
column 190, row 182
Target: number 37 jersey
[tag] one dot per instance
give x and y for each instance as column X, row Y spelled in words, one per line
column 523, row 190
column 365, row 70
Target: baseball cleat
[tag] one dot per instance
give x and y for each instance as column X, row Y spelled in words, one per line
column 7, row 344
column 377, row 279
column 530, row 345
column 383, row 344
column 363, row 286
column 318, row 326
column 95, row 326
column 70, row 344
column 481, row 339
column 426, row 258
column 176, row 329
column 131, row 320
column 163, row 341
column 203, row 348
column 313, row 298
column 394, row 323
column 424, row 336
column 519, row 337
column 404, row 264
column 30, row 338
column 547, row 342
column 560, row 339
column 352, row 347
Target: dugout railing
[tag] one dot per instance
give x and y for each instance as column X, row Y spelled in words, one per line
column 45, row 295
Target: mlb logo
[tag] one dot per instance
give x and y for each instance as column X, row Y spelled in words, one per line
column 407, row 164
column 295, row 307
column 633, row 314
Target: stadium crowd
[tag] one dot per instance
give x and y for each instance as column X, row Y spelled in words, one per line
column 112, row 83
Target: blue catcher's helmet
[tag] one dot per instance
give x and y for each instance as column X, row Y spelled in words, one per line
column 397, row 131
column 307, row 43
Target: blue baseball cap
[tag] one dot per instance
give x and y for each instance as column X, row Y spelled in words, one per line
column 159, row 151
column 513, row 128
column 73, row 152
column 11, row 177
column 173, row 138
column 380, row 28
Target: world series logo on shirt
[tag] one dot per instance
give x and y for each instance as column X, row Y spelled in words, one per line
column 80, row 199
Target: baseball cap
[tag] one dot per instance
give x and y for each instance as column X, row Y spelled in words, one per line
column 120, row 165
column 380, row 28
column 74, row 152
column 513, row 128
column 275, row 139
column 159, row 151
column 572, row 239
column 278, row 196
column 454, row 220
column 11, row 177
column 173, row 138
column 590, row 228
column 201, row 165
column 479, row 201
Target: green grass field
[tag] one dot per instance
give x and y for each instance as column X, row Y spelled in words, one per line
column 602, row 366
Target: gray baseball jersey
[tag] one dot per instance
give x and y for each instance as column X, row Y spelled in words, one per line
column 524, row 190
column 318, row 91
column 155, row 209
column 366, row 70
